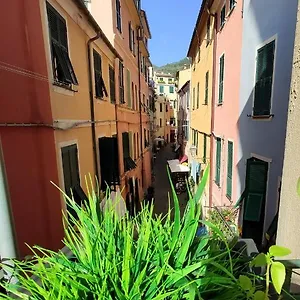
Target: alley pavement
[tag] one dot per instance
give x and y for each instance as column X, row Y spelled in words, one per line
column 162, row 184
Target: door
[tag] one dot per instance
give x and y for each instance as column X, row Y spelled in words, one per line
column 255, row 200
column 71, row 173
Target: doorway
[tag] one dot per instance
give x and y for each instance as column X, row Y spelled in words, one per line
column 255, row 200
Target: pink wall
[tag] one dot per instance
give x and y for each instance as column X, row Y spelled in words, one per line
column 29, row 152
column 228, row 42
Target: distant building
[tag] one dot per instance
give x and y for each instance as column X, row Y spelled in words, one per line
column 162, row 118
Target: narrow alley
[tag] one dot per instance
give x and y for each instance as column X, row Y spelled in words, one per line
column 162, row 184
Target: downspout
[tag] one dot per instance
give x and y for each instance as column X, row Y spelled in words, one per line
column 140, row 107
column 92, row 107
column 212, row 119
column 117, row 132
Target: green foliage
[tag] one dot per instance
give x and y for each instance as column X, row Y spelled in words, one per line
column 173, row 67
column 145, row 257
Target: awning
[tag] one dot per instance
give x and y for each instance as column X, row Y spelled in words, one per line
column 176, row 167
column 183, row 159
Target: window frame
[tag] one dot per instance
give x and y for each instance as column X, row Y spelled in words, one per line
column 118, row 16
column 112, row 84
column 206, row 88
column 218, row 168
column 171, row 89
column 121, row 83
column 223, row 16
column 161, row 89
column 221, row 82
column 229, row 179
column 198, row 95
column 100, row 88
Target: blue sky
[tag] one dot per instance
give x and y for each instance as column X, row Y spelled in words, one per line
column 171, row 24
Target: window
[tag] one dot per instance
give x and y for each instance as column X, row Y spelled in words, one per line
column 170, row 80
column 133, row 42
column 128, row 162
column 221, row 79
column 132, row 94
column 121, row 83
column 128, row 77
column 208, row 31
column 130, row 37
column 144, row 105
column 136, row 97
column 198, row 91
column 199, row 54
column 63, row 71
column 196, row 141
column 119, row 16
column 264, row 80
column 166, row 107
column 161, row 89
column 218, row 162
column 112, row 85
column 100, row 88
column 229, row 169
column 194, row 98
column 206, row 88
column 222, row 16
column 160, row 122
column 109, row 161
column 204, row 147
column 145, row 138
column 231, row 4
column 171, row 89
column 161, row 79
column 160, row 107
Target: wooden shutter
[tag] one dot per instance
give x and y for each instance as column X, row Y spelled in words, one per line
column 198, row 91
column 206, row 88
column 125, row 139
column 130, row 36
column 194, row 97
column 128, row 89
column 221, row 79
column 112, row 85
column 204, row 148
column 256, row 182
column 121, row 82
column 229, row 169
column 264, row 80
column 208, row 31
column 118, row 14
column 98, row 74
column 218, row 162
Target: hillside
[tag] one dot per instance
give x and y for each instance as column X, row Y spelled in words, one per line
column 172, row 67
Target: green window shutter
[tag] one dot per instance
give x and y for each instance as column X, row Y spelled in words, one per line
column 130, row 36
column 206, row 88
column 218, row 161
column 112, row 85
column 204, row 148
column 198, row 91
column 128, row 88
column 121, row 82
column 171, row 89
column 161, row 89
column 221, row 79
column 256, row 185
column 264, row 80
column 118, row 15
column 229, row 169
column 196, row 142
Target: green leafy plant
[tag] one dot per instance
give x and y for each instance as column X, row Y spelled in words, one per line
column 274, row 269
column 145, row 257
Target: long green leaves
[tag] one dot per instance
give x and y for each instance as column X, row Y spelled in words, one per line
column 145, row 257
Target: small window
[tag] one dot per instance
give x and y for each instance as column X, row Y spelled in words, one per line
column 167, row 108
column 170, row 80
column 118, row 15
column 264, row 80
column 63, row 71
column 194, row 97
column 171, row 89
column 232, row 4
column 129, row 164
column 100, row 89
column 199, row 54
column 206, row 88
column 130, row 37
column 112, row 85
column 132, row 94
column 218, row 161
column 161, row 79
column 160, row 122
column 128, row 88
column 222, row 16
column 160, row 107
column 208, row 31
column 121, row 83
column 221, row 79
column 161, row 89
column 204, row 147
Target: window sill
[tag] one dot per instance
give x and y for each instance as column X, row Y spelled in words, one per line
column 217, row 184
column 69, row 87
column 220, row 103
column 205, row 104
column 261, row 117
column 230, row 12
column 100, row 98
column 229, row 198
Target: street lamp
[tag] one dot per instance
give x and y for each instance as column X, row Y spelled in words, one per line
column 193, row 150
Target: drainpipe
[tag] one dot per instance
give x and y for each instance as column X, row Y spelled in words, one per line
column 92, row 107
column 117, row 132
column 212, row 110
column 140, row 107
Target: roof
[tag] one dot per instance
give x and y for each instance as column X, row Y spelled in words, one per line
column 203, row 5
column 144, row 15
column 96, row 27
column 184, row 86
column 163, row 75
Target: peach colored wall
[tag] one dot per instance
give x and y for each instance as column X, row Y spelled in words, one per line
column 229, row 42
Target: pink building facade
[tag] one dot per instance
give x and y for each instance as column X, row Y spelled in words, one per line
column 227, row 65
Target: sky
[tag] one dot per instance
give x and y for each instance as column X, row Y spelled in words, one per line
column 171, row 24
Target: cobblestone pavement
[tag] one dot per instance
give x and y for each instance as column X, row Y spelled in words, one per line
column 161, row 182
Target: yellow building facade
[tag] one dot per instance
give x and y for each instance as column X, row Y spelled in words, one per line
column 201, row 55
column 81, row 64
